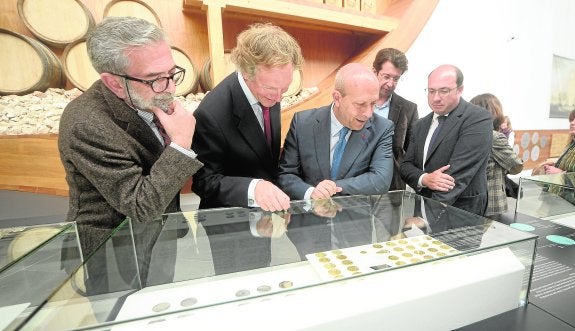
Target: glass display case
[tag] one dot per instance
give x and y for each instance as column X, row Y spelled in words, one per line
column 328, row 264
column 31, row 267
column 546, row 208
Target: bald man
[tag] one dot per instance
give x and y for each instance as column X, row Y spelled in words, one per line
column 450, row 165
column 339, row 149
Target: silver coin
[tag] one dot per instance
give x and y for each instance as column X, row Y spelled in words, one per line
column 188, row 302
column 242, row 293
column 264, row 288
column 161, row 307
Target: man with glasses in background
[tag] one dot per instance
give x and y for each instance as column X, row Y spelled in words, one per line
column 447, row 156
column 389, row 65
column 125, row 143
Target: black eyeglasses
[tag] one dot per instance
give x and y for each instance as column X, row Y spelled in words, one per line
column 159, row 85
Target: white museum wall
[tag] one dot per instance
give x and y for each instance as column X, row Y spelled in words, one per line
column 503, row 47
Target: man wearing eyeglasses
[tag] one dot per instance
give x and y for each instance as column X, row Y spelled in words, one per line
column 447, row 156
column 238, row 129
column 125, row 143
column 389, row 65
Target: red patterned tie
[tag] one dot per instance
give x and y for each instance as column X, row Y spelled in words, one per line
column 162, row 131
column 267, row 125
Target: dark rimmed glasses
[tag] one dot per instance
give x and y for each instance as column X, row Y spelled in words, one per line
column 160, row 84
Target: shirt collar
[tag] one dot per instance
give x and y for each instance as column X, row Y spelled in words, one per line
column 385, row 104
column 251, row 98
column 335, row 124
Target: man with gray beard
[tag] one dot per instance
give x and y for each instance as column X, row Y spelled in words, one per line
column 126, row 143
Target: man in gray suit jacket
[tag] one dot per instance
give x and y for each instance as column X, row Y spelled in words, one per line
column 366, row 166
column 450, row 167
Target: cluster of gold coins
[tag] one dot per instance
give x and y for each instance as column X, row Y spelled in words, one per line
column 358, row 260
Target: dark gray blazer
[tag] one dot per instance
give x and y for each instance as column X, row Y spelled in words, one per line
column 231, row 143
column 115, row 166
column 403, row 113
column 366, row 166
column 464, row 143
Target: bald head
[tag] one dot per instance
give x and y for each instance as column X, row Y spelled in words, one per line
column 448, row 70
column 356, row 91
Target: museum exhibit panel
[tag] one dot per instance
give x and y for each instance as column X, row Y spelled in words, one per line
column 545, row 207
column 361, row 259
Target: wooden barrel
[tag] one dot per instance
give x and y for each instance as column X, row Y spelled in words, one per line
column 190, row 83
column 27, row 65
column 77, row 65
column 206, row 76
column 133, row 8
column 56, row 23
column 29, row 240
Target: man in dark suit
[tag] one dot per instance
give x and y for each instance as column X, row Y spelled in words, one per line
column 238, row 129
column 311, row 146
column 125, row 143
column 389, row 64
column 450, row 167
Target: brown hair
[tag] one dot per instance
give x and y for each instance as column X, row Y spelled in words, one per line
column 491, row 103
column 395, row 56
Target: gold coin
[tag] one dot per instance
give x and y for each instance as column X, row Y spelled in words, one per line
column 410, row 247
column 393, row 257
column 428, row 257
column 441, row 254
column 432, row 249
column 428, row 238
column 286, row 284
column 419, row 252
column 424, row 245
column 336, row 252
column 402, row 241
column 337, row 276
column 341, row 257
column 444, row 246
column 346, row 262
column 352, row 268
column 377, row 246
column 363, row 252
column 436, row 242
column 320, row 254
column 382, row 251
column 415, row 260
column 407, row 254
column 389, row 243
column 323, row 259
column 334, row 271
column 398, row 249
column 161, row 307
column 329, row 265
column 399, row 263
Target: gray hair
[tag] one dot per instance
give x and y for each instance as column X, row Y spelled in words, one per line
column 111, row 41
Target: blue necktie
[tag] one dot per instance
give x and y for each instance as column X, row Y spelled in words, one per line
column 338, row 152
column 440, row 120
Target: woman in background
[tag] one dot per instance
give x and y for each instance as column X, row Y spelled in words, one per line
column 501, row 161
column 566, row 162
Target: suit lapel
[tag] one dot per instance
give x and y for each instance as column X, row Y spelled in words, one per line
column 128, row 119
column 357, row 142
column 321, row 138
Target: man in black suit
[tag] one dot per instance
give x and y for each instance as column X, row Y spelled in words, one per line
column 450, row 167
column 389, row 64
column 238, row 123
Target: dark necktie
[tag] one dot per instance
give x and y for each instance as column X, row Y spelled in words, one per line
column 338, row 152
column 162, row 131
column 267, row 125
column 440, row 120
